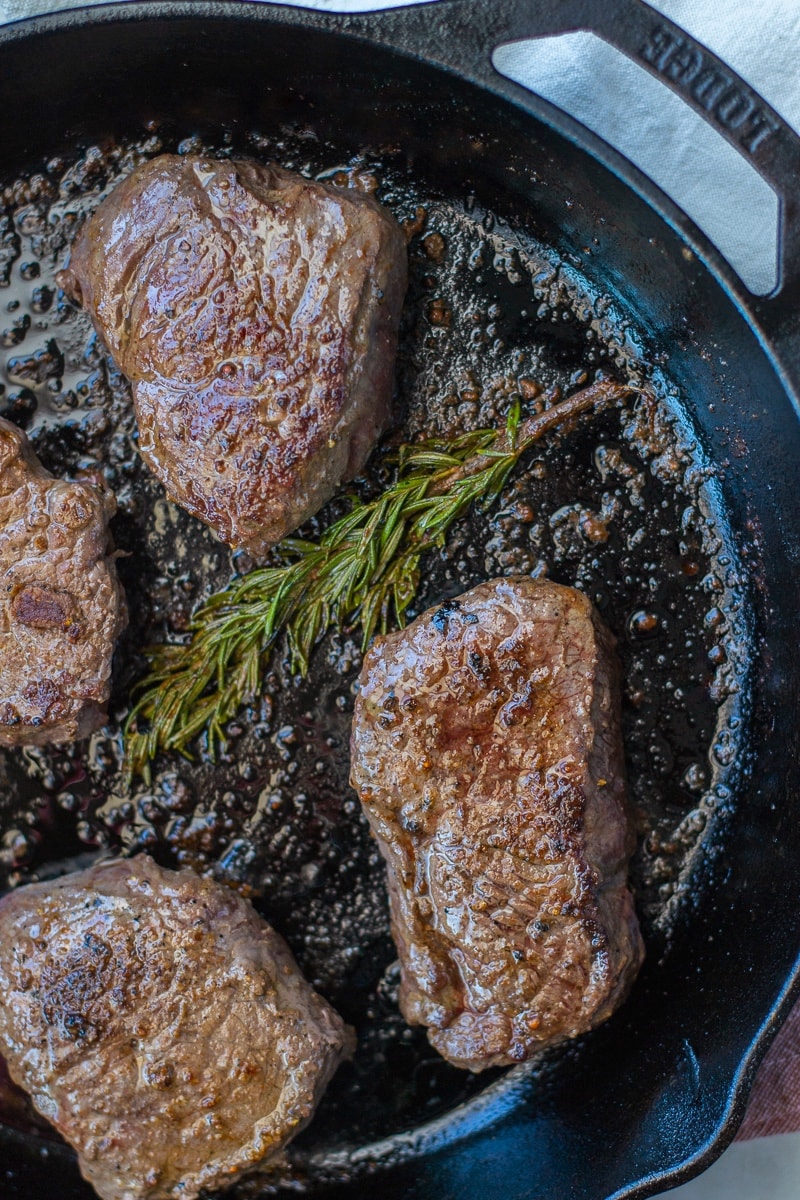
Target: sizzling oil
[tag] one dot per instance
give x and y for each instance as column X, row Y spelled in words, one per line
column 622, row 506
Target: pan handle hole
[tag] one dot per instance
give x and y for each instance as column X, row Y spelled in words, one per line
column 644, row 120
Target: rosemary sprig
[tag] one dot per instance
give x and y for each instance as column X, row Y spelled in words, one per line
column 364, row 568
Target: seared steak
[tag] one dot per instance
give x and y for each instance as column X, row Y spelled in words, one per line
column 61, row 606
column 161, row 1025
column 255, row 313
column 486, row 751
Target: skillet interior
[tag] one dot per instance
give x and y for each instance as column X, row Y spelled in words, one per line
column 651, row 1089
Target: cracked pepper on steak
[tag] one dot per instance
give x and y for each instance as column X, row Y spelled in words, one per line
column 161, row 1025
column 487, row 753
column 255, row 313
column 61, row 604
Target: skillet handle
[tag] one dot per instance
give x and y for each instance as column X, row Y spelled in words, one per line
column 462, row 34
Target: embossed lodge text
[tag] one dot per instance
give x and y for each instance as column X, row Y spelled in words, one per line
column 711, row 87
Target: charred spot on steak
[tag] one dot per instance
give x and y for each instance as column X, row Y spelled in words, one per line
column 161, row 1025
column 61, row 604
column 496, row 792
column 255, row 313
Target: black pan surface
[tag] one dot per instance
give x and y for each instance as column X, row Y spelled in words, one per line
column 530, row 262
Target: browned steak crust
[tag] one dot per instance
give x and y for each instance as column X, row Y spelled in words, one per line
column 61, row 605
column 161, row 1025
column 486, row 750
column 255, row 313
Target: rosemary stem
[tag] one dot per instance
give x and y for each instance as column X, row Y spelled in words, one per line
column 532, row 429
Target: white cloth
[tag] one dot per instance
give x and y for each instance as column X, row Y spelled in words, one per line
column 671, row 143
column 637, row 114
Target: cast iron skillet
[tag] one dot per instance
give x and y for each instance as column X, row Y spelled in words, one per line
column 653, row 1096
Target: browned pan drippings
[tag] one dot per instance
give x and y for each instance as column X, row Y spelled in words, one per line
column 618, row 506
